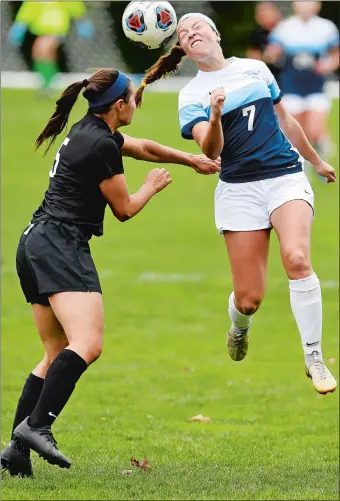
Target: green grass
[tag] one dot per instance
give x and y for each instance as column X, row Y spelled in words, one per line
column 166, row 283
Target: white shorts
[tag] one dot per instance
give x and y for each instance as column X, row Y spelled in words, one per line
column 248, row 206
column 313, row 102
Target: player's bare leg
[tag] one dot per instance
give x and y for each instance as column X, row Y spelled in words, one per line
column 292, row 223
column 248, row 255
column 81, row 315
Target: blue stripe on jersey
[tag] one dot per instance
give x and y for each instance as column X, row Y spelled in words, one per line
column 275, row 91
column 193, row 113
column 189, row 116
column 316, row 49
column 254, row 146
column 242, row 96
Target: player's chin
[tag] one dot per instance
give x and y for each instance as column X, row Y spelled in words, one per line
column 196, row 54
column 125, row 121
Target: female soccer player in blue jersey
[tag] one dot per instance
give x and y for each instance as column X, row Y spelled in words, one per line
column 309, row 45
column 232, row 108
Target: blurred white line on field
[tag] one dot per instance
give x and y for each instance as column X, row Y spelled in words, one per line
column 152, row 276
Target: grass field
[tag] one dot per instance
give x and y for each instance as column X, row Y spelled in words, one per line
column 166, row 283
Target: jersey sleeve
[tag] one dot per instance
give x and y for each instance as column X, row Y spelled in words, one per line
column 189, row 116
column 278, row 35
column 272, row 85
column 106, row 159
column 333, row 38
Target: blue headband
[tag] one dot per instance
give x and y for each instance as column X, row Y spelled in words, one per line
column 112, row 92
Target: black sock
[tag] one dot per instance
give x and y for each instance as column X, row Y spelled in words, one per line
column 29, row 398
column 60, row 382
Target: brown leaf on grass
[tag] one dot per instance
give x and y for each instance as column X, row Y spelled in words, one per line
column 143, row 465
column 126, row 472
column 331, row 360
column 199, row 418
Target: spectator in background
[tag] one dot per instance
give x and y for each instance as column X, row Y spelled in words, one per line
column 50, row 22
column 267, row 17
column 310, row 45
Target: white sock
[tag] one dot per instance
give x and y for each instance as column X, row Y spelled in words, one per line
column 238, row 319
column 306, row 303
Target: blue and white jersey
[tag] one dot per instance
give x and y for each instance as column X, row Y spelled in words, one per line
column 255, row 148
column 303, row 44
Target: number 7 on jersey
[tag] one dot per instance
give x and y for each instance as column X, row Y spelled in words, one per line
column 251, row 111
column 57, row 158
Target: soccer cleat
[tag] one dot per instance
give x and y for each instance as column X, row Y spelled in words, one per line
column 237, row 342
column 15, row 458
column 41, row 441
column 317, row 371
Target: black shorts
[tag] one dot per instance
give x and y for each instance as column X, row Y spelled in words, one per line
column 52, row 257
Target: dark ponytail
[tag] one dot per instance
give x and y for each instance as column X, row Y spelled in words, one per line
column 165, row 65
column 59, row 119
column 96, row 85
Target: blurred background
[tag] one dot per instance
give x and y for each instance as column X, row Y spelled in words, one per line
column 107, row 46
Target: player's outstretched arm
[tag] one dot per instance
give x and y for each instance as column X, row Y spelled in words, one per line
column 293, row 130
column 151, row 151
column 123, row 205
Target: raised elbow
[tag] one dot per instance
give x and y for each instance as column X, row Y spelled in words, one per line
column 122, row 216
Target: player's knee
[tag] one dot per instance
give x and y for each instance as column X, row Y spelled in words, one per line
column 94, row 354
column 249, row 304
column 43, row 48
column 94, row 351
column 296, row 262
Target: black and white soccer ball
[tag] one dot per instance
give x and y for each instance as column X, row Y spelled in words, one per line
column 149, row 24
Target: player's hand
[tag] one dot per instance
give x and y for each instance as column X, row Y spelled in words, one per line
column 158, row 179
column 217, row 99
column 324, row 66
column 326, row 170
column 203, row 165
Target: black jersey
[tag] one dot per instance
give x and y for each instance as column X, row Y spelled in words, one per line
column 89, row 154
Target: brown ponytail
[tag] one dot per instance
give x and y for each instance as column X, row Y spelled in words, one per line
column 96, row 85
column 59, row 119
column 165, row 65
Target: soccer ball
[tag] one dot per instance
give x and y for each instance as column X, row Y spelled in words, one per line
column 149, row 24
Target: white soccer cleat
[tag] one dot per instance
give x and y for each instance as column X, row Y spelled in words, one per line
column 237, row 342
column 321, row 377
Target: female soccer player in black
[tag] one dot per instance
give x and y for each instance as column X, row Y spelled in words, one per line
column 54, row 263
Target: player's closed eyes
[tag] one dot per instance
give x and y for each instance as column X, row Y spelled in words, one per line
column 184, row 35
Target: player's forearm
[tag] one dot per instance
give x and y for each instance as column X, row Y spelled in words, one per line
column 155, row 152
column 293, row 130
column 137, row 201
column 213, row 141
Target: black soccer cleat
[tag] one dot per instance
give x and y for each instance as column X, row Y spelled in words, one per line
column 41, row 441
column 15, row 458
